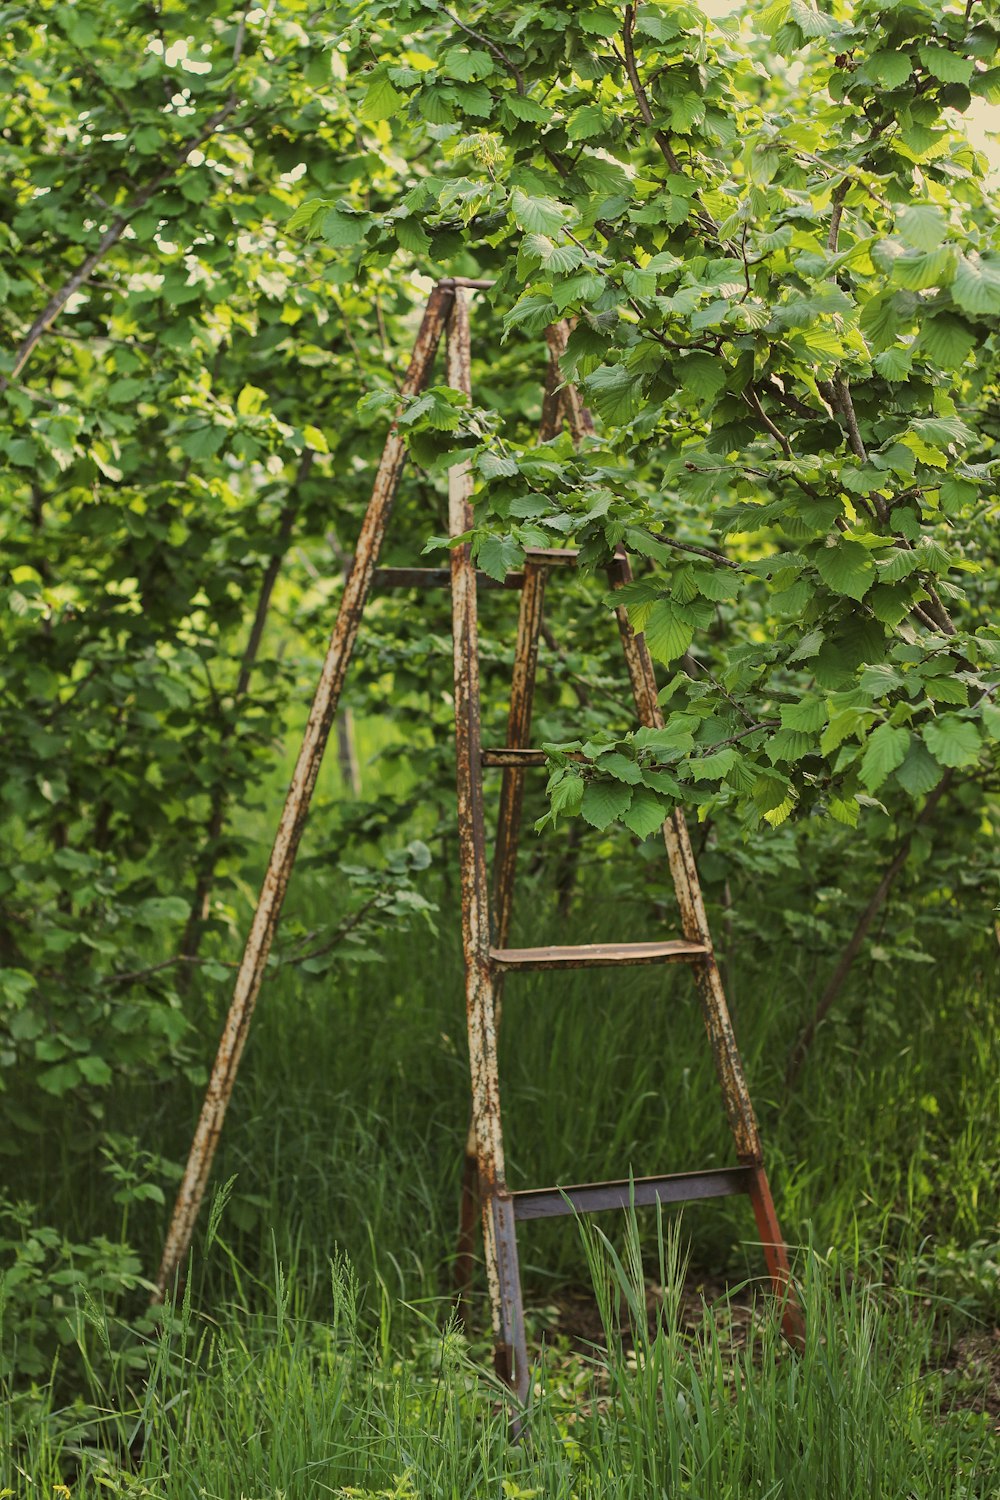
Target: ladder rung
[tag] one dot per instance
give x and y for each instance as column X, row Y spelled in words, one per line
column 437, row 578
column 596, row 1197
column 552, row 557
column 510, row 755
column 440, row 578
column 594, row 955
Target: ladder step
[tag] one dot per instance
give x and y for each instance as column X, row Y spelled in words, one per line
column 597, row 1197
column 437, row 578
column 511, row 755
column 597, row 955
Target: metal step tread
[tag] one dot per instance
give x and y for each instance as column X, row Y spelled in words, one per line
column 597, row 1197
column 594, row 955
column 516, row 755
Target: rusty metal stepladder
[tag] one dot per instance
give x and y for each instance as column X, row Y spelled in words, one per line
column 487, row 958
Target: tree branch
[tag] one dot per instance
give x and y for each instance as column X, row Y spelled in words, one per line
column 493, row 47
column 641, row 97
column 109, row 238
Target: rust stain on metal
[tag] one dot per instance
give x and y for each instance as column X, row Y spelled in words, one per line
column 293, row 818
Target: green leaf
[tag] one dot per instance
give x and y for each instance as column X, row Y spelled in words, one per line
column 922, row 226
column 537, row 215
column 338, row 228
column 566, row 791
column 251, row 401
column 919, row 772
column 645, row 814
column 604, row 801
column 306, row 212
column 882, row 317
column 948, row 340
column 953, row 741
column 586, row 122
column 846, row 568
column 844, row 811
column 497, row 555
column 616, row 393
column 991, row 720
column 463, row 64
column 381, row 100
column 891, row 68
column 808, row 714
column 885, row 749
column 917, row 270
column 315, row 440
column 96, row 1071
column 704, row 375
column 621, row 768
column 894, row 364
column 956, row 494
column 976, row 287
column 496, row 466
column 668, row 631
column 790, row 744
column 947, row 66
column 162, row 909
column 60, row 1079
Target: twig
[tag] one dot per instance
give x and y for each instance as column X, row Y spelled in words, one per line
column 707, row 552
column 493, row 47
column 641, row 98
column 839, row 194
column 167, row 963
column 753, row 401
column 734, row 739
column 110, row 237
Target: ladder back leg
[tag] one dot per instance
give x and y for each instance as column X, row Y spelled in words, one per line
column 715, row 1010
column 500, row 1244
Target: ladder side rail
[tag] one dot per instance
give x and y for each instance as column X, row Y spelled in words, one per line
column 499, row 1233
column 522, row 697
column 694, row 922
column 293, row 818
column 715, row 1010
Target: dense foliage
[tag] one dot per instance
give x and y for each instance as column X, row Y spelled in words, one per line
column 779, row 257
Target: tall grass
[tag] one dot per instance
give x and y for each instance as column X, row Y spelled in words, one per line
column 275, row 1404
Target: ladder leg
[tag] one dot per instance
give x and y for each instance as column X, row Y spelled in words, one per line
column 296, row 810
column 498, row 1219
column 522, row 694
column 694, row 924
column 776, row 1257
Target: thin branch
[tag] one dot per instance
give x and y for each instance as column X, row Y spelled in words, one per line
column 493, row 47
column 734, row 739
column 707, row 552
column 837, row 201
column 241, row 32
column 109, row 238
column 753, row 401
column 641, row 98
column 167, row 963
